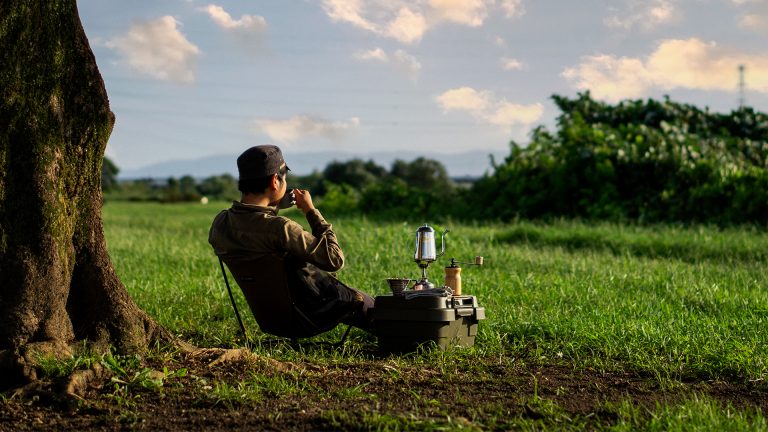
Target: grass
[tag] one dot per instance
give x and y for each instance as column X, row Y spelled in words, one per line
column 669, row 302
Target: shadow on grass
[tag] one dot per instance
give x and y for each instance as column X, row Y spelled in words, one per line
column 688, row 247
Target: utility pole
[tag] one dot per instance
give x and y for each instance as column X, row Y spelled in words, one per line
column 741, row 86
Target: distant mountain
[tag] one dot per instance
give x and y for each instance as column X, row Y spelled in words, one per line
column 467, row 164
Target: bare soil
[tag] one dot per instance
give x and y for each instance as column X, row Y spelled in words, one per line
column 348, row 396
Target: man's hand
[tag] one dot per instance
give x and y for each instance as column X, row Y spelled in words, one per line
column 303, row 200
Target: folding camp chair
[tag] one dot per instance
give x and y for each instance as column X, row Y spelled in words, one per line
column 270, row 299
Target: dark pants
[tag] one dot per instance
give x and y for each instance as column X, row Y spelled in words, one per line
column 362, row 317
column 335, row 302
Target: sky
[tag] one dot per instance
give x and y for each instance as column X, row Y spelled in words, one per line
column 189, row 79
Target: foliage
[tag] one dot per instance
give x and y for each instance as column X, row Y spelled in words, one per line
column 186, row 188
column 355, row 173
column 394, row 197
column 417, row 188
column 109, row 173
column 422, row 173
column 339, row 199
column 221, row 187
column 639, row 160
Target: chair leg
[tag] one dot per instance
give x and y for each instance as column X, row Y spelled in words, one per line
column 344, row 338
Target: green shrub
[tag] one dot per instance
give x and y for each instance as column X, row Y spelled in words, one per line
column 647, row 161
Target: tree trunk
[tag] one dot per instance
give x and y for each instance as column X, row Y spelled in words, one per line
column 57, row 283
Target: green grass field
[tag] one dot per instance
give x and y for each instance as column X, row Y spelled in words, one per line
column 671, row 305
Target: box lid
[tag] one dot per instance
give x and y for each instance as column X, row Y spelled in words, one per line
column 433, row 308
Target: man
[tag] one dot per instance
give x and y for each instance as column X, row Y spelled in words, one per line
column 275, row 260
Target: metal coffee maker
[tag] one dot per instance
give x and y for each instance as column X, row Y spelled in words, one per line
column 426, row 252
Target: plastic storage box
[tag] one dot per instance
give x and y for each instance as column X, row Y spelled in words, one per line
column 402, row 325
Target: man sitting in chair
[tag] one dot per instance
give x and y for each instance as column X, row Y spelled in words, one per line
column 282, row 269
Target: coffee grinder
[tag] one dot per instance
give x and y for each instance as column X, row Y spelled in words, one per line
column 426, row 253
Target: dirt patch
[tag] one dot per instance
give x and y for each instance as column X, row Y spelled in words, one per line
column 258, row 393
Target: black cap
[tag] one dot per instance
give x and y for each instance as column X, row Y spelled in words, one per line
column 259, row 162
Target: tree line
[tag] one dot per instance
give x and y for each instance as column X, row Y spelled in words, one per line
column 343, row 186
column 645, row 161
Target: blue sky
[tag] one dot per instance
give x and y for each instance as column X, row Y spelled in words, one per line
column 189, row 79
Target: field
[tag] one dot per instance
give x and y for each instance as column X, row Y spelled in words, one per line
column 590, row 325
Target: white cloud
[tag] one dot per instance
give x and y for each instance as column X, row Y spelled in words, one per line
column 487, row 108
column 407, row 63
column 754, row 15
column 407, row 27
column 465, row 99
column 400, row 60
column 512, row 8
column 407, row 21
column 507, row 114
column 304, row 126
column 158, row 50
column 511, row 64
column 610, row 78
column 755, row 22
column 467, row 12
column 374, row 54
column 676, row 63
column 246, row 24
column 642, row 13
column 349, row 11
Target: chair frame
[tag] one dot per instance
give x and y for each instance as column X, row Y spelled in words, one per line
column 240, row 320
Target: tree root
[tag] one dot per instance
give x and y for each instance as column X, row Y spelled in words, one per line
column 215, row 357
column 78, row 384
column 21, row 368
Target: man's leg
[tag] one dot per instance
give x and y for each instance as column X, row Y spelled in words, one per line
column 362, row 316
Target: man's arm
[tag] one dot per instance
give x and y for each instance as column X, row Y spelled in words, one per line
column 321, row 247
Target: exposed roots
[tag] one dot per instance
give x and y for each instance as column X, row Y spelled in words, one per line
column 78, row 384
column 216, row 357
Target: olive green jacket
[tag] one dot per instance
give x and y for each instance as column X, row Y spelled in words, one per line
column 248, row 232
column 251, row 231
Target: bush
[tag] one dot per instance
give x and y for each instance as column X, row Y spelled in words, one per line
column 340, row 199
column 644, row 161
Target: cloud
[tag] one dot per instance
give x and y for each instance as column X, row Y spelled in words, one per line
column 465, row 99
column 466, row 12
column 400, row 60
column 349, row 11
column 408, row 26
column 487, row 108
column 374, row 54
column 304, row 126
column 406, row 63
column 676, row 63
column 512, row 8
column 755, row 15
column 646, row 14
column 407, row 21
column 511, row 64
column 250, row 24
column 610, row 78
column 158, row 49
column 755, row 22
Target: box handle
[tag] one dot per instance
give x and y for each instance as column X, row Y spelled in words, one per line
column 462, row 301
column 463, row 312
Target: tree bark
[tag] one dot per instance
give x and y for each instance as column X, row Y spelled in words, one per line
column 57, row 283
